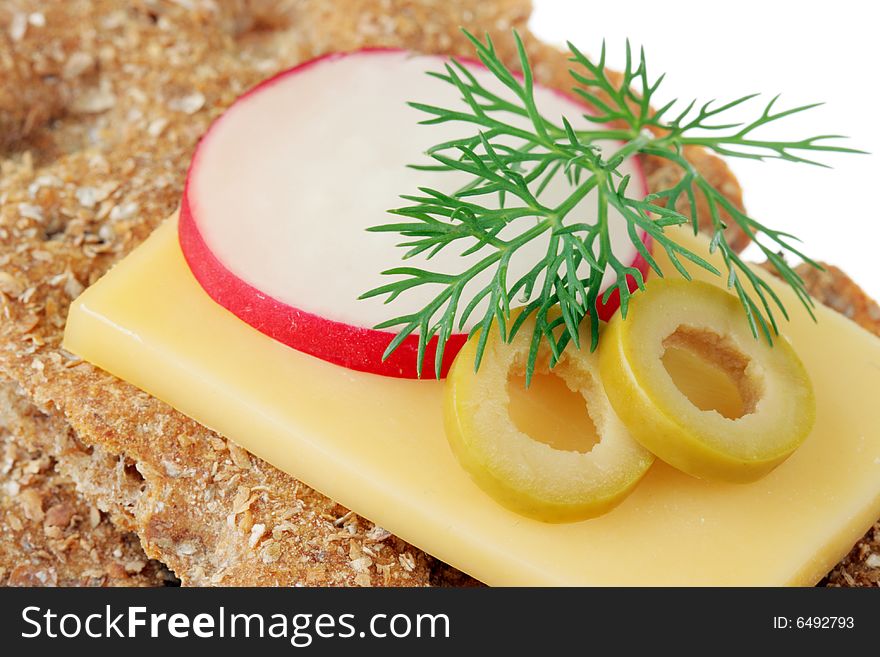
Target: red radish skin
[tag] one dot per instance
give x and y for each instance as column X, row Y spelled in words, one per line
column 341, row 343
column 350, row 346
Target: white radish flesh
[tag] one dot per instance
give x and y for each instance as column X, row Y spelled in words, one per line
column 285, row 183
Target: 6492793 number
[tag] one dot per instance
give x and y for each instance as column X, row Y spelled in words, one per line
column 824, row 622
column 814, row 622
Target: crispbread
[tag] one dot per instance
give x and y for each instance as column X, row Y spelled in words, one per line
column 204, row 507
column 123, row 90
column 52, row 536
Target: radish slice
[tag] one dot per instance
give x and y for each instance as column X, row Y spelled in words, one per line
column 284, row 184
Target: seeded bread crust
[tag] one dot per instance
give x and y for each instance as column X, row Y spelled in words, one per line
column 52, row 535
column 101, row 105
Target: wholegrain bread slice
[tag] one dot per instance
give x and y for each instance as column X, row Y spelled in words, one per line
column 92, row 184
column 51, row 534
column 124, row 90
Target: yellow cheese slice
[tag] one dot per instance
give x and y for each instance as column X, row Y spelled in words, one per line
column 377, row 446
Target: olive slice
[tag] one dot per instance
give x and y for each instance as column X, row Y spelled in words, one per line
column 764, row 412
column 522, row 473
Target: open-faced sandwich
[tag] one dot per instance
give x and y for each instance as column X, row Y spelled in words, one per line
column 391, row 293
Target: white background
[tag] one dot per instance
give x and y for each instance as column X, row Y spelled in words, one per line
column 809, row 51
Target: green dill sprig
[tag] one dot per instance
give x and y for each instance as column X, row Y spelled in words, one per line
column 512, row 162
